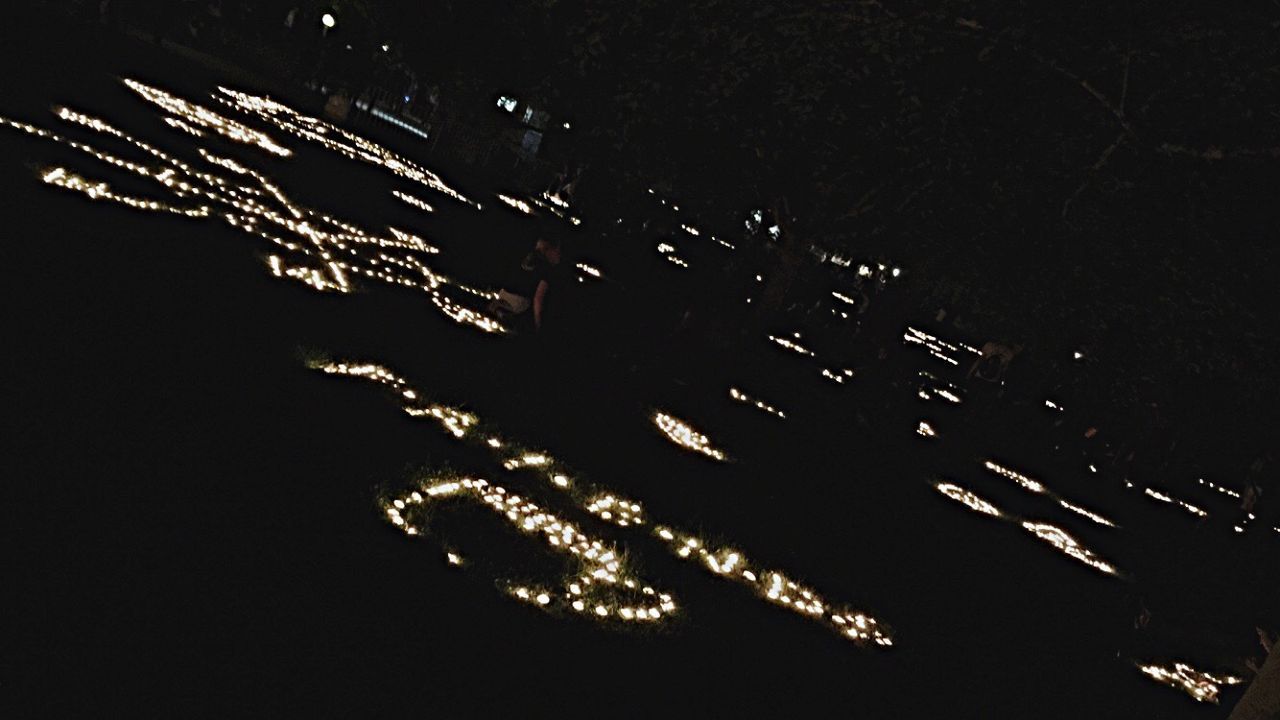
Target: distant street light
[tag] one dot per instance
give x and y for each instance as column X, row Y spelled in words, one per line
column 328, row 21
column 386, row 48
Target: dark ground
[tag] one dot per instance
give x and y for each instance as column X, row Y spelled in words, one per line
column 191, row 522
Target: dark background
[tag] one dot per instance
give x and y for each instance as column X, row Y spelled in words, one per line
column 190, row 514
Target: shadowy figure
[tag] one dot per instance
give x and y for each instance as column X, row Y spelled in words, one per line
column 517, row 288
column 551, row 288
column 994, row 362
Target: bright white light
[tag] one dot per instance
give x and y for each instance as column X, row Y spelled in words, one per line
column 386, row 48
column 566, row 126
column 1077, row 355
column 897, row 272
column 328, row 20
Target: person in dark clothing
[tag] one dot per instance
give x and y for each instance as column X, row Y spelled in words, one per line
column 551, row 288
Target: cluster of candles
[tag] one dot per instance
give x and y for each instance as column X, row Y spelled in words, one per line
column 183, row 126
column 590, row 270
column 974, row 502
column 1051, row 534
column 193, row 114
column 1224, row 490
column 668, row 251
column 937, row 347
column 1061, row 540
column 516, row 203
column 773, row 587
column 837, row 376
column 457, row 422
column 615, row 510
column 1162, row 497
column 333, row 138
column 556, row 206
column 606, row 588
column 1038, row 488
column 745, row 399
column 1239, row 527
column 791, row 345
column 67, row 180
column 682, row 434
column 333, row 252
column 931, row 387
column 419, row 203
column 306, row 275
column 776, row 588
column 1202, row 686
column 1022, row 480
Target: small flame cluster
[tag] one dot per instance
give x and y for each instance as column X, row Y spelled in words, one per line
column 776, row 588
column 197, row 115
column 791, row 345
column 1038, row 488
column 590, row 270
column 682, row 434
column 974, row 502
column 1162, row 497
column 335, row 139
column 1051, row 534
column 837, row 376
column 182, row 126
column 516, row 203
column 615, row 510
column 931, row 387
column 1022, row 480
column 557, row 206
column 1063, row 541
column 1202, row 686
column 668, row 251
column 942, row 349
column 1224, row 490
column 745, row 399
column 455, row 421
column 419, row 203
